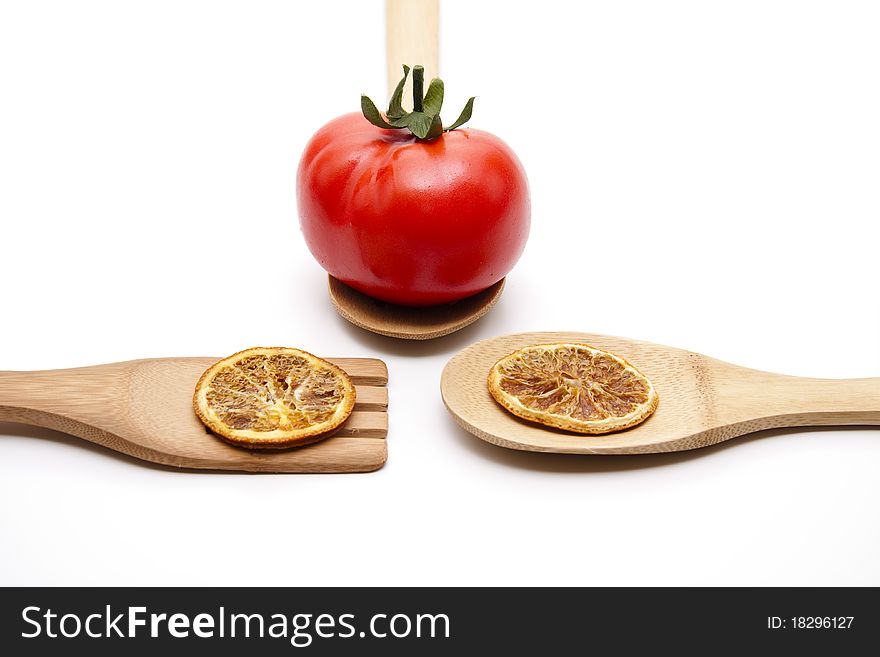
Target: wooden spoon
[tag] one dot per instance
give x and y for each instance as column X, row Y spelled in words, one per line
column 143, row 408
column 412, row 36
column 411, row 29
column 411, row 323
column 703, row 401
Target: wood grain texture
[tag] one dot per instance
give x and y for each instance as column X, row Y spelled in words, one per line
column 143, row 408
column 411, row 37
column 410, row 323
column 703, row 401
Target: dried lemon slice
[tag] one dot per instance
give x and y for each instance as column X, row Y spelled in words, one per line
column 273, row 397
column 572, row 386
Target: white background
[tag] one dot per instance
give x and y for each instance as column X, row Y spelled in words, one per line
column 703, row 175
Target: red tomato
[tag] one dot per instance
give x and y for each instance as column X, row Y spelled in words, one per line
column 412, row 222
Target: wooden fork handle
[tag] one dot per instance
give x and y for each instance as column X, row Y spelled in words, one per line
column 19, row 398
column 38, row 397
column 31, row 398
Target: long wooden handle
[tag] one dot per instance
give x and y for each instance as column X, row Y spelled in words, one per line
column 42, row 399
column 830, row 401
column 789, row 401
column 411, row 37
column 39, row 398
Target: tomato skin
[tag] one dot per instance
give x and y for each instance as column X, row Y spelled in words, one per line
column 409, row 222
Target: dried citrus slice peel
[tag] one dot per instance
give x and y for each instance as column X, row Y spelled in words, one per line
column 273, row 397
column 574, row 387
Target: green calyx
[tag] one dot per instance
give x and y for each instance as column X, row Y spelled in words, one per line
column 424, row 121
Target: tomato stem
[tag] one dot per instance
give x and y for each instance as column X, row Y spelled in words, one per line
column 418, row 77
column 424, row 121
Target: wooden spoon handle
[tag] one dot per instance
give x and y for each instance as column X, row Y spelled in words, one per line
column 848, row 401
column 411, row 37
column 794, row 401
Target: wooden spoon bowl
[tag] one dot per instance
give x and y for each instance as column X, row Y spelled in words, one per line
column 409, row 323
column 703, row 401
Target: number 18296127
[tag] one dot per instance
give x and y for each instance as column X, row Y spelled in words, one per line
column 810, row 622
